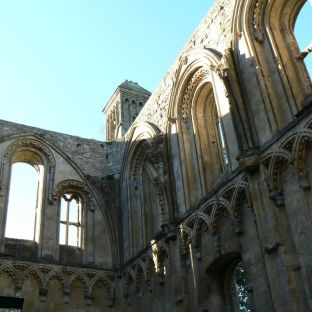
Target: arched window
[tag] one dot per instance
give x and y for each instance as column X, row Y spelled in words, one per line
column 209, row 136
column 70, row 220
column 240, row 301
column 202, row 137
column 23, row 205
column 304, row 40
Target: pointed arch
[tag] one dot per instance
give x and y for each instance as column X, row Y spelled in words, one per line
column 263, row 35
column 144, row 186
column 199, row 127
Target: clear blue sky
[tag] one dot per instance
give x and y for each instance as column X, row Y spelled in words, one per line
column 61, row 60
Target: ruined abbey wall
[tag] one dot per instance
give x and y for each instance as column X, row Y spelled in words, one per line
column 212, row 175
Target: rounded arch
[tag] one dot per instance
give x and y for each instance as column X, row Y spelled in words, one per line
column 102, row 278
column 79, row 276
column 9, row 269
column 59, row 275
column 28, row 149
column 71, row 186
column 36, row 273
column 30, row 144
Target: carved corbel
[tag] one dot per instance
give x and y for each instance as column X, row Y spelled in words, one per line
column 66, row 294
column 88, row 299
column 168, row 228
column 278, row 198
column 172, row 120
column 43, row 292
column 274, row 193
column 304, row 181
column 272, row 247
column 249, row 163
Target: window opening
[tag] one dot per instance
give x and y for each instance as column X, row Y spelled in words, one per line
column 225, row 156
column 11, row 304
column 239, row 289
column 304, row 38
column 23, row 202
column 70, row 220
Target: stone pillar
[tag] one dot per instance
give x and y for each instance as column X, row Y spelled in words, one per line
column 176, row 282
column 4, row 197
column 277, row 244
column 89, row 238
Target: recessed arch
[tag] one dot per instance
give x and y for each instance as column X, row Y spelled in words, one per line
column 199, row 127
column 22, row 203
column 263, row 36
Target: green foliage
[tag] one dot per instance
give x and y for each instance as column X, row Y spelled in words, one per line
column 241, row 288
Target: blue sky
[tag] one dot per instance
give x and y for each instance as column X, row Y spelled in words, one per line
column 61, row 60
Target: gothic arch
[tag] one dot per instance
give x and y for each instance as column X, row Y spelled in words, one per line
column 109, row 286
column 144, row 185
column 263, row 35
column 199, row 126
column 290, row 151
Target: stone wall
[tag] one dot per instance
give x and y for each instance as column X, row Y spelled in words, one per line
column 204, row 204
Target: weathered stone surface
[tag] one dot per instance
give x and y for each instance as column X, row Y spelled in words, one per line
column 210, row 179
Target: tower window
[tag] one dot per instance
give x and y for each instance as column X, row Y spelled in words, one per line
column 70, row 220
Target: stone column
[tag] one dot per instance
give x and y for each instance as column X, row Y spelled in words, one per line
column 4, row 197
column 275, row 240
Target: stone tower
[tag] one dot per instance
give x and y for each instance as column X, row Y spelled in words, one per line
column 123, row 107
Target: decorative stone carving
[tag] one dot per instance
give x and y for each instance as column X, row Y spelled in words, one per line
column 249, row 163
column 256, row 20
column 187, row 98
column 30, row 142
column 70, row 185
column 43, row 273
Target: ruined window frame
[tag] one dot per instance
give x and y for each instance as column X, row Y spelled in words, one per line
column 79, row 222
column 36, row 159
column 35, row 203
